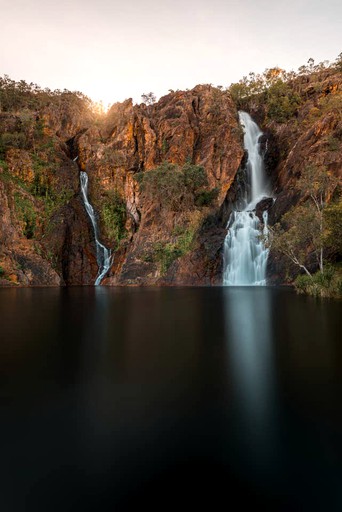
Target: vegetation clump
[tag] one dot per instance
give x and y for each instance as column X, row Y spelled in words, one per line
column 21, row 96
column 309, row 234
column 181, row 190
column 280, row 93
column 321, row 284
column 26, row 213
column 165, row 252
column 112, row 209
column 177, row 188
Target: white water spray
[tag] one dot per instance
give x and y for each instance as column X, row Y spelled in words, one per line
column 245, row 254
column 103, row 255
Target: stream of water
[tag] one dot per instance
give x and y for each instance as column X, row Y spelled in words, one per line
column 245, row 253
column 103, row 255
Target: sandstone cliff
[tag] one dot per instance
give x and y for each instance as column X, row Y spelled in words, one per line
column 196, row 127
column 46, row 139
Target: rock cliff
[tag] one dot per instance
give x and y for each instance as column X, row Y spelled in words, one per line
column 41, row 204
column 46, row 139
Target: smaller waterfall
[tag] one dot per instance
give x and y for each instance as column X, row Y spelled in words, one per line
column 245, row 254
column 103, row 255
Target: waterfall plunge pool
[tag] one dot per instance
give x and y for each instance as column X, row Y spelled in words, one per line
column 116, row 398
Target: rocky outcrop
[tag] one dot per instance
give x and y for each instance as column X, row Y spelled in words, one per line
column 46, row 236
column 312, row 137
column 20, row 260
column 198, row 126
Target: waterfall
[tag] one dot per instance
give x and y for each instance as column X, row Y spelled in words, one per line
column 245, row 254
column 103, row 255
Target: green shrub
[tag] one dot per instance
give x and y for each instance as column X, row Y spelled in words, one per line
column 15, row 140
column 40, row 186
column 55, row 200
column 3, row 165
column 165, row 146
column 206, row 197
column 281, row 103
column 113, row 215
column 321, row 284
column 26, row 214
column 175, row 188
column 302, row 282
column 165, row 253
column 333, row 143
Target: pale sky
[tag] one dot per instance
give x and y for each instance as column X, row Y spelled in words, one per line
column 112, row 50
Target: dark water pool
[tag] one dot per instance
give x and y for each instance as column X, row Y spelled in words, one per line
column 113, row 399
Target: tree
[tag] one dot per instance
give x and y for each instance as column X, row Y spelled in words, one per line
column 295, row 235
column 304, row 232
column 149, row 98
column 318, row 184
column 333, row 222
column 338, row 62
column 311, row 64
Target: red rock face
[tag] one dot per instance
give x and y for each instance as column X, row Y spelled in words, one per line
column 313, row 137
column 44, row 240
column 19, row 261
column 198, row 126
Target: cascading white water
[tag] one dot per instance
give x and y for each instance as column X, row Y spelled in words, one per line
column 103, row 255
column 245, row 254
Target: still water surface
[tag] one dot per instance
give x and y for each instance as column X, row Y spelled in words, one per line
column 113, row 399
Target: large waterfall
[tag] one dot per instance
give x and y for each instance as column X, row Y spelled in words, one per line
column 245, row 254
column 103, row 255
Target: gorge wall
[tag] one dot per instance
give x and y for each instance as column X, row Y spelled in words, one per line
column 45, row 234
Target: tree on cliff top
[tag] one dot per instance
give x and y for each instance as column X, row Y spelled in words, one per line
column 15, row 96
column 148, row 98
column 277, row 92
column 304, row 232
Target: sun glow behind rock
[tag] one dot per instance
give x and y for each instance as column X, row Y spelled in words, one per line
column 113, row 50
column 100, row 107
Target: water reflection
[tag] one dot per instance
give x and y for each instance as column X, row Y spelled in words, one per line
column 251, row 366
column 112, row 394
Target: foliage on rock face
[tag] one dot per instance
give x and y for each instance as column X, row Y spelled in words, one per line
column 279, row 92
column 35, row 191
column 165, row 252
column 24, row 130
column 307, row 232
column 26, row 213
column 29, row 157
column 333, row 222
column 271, row 89
column 183, row 190
column 282, row 103
column 112, row 210
column 176, row 188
